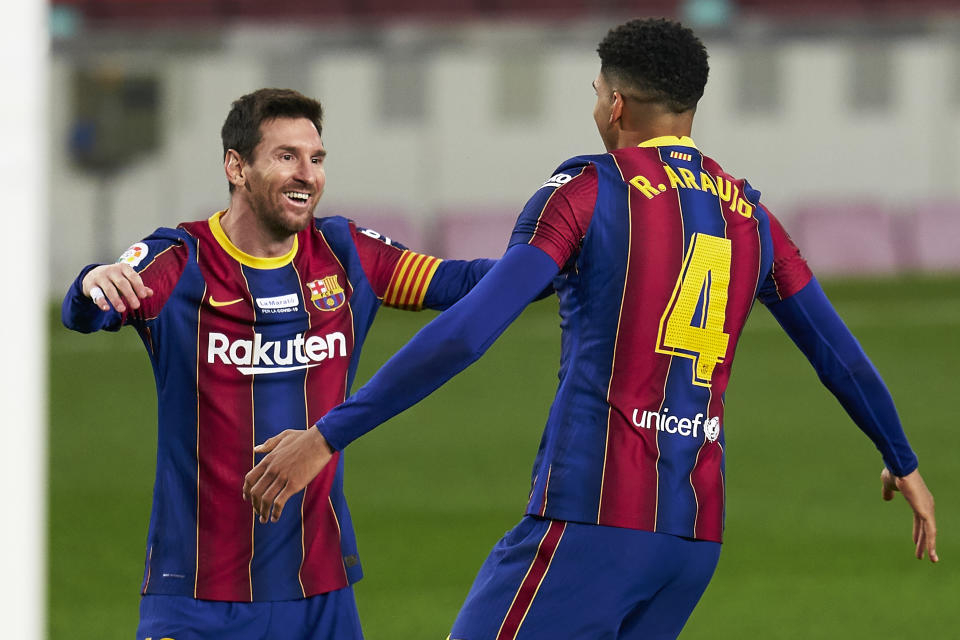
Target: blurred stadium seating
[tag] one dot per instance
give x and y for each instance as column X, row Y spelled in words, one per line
column 166, row 11
column 931, row 231
column 161, row 12
column 844, row 8
column 856, row 237
column 477, row 233
column 443, row 116
column 846, row 236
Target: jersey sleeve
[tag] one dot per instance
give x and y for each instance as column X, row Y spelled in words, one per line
column 556, row 217
column 406, row 279
column 399, row 277
column 842, row 366
column 789, row 273
column 159, row 259
column 453, row 280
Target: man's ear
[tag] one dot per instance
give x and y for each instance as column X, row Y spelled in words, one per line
column 616, row 112
column 234, row 166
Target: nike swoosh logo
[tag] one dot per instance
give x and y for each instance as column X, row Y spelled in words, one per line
column 217, row 303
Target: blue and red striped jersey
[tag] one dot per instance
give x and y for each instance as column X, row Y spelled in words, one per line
column 657, row 256
column 662, row 255
column 243, row 348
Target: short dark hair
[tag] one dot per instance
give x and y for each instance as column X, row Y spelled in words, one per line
column 660, row 58
column 241, row 129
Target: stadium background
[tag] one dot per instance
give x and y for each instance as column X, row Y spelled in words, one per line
column 441, row 118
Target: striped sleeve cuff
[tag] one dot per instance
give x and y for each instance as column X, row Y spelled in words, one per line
column 410, row 280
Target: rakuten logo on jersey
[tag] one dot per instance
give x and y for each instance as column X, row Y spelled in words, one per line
column 274, row 356
column 662, row 421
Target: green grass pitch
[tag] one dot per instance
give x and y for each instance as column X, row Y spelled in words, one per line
column 810, row 552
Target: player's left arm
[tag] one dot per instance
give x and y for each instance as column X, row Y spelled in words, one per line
column 798, row 303
column 406, row 279
column 813, row 324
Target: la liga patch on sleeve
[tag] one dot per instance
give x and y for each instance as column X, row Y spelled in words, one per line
column 134, row 255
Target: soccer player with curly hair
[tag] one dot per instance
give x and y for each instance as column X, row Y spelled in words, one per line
column 657, row 255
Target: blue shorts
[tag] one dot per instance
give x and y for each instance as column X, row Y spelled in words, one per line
column 554, row 579
column 328, row 616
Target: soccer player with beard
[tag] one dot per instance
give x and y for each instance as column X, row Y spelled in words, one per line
column 657, row 256
column 253, row 320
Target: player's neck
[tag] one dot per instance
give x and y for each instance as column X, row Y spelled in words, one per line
column 247, row 233
column 646, row 124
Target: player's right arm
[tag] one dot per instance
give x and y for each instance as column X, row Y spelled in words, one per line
column 107, row 296
column 116, row 285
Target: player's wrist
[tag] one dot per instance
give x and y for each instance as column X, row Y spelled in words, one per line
column 320, row 439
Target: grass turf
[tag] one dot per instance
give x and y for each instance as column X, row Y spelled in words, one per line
column 810, row 552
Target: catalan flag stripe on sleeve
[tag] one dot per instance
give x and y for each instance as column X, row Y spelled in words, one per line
column 411, row 277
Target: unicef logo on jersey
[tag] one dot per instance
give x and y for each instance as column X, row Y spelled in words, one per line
column 676, row 425
column 711, row 429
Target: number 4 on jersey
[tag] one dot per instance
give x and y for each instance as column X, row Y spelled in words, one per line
column 692, row 323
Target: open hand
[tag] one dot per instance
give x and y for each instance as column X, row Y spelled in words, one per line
column 294, row 458
column 920, row 500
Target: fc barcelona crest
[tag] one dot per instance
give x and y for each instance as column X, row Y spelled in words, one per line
column 326, row 293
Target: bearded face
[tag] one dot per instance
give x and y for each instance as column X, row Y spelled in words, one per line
column 285, row 177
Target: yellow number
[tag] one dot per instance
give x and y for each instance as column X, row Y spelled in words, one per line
column 702, row 285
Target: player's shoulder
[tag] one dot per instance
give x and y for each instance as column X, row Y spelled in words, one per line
column 335, row 229
column 340, row 228
column 575, row 166
column 749, row 192
column 142, row 254
column 332, row 222
column 573, row 175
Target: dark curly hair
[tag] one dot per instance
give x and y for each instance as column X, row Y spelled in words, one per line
column 241, row 129
column 661, row 59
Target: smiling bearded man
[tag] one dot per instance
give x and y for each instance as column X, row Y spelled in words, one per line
column 253, row 320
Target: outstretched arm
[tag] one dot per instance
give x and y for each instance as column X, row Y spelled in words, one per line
column 409, row 280
column 915, row 491
column 453, row 280
column 843, row 367
column 446, row 346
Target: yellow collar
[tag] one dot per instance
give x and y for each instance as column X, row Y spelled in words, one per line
column 669, row 141
column 245, row 258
